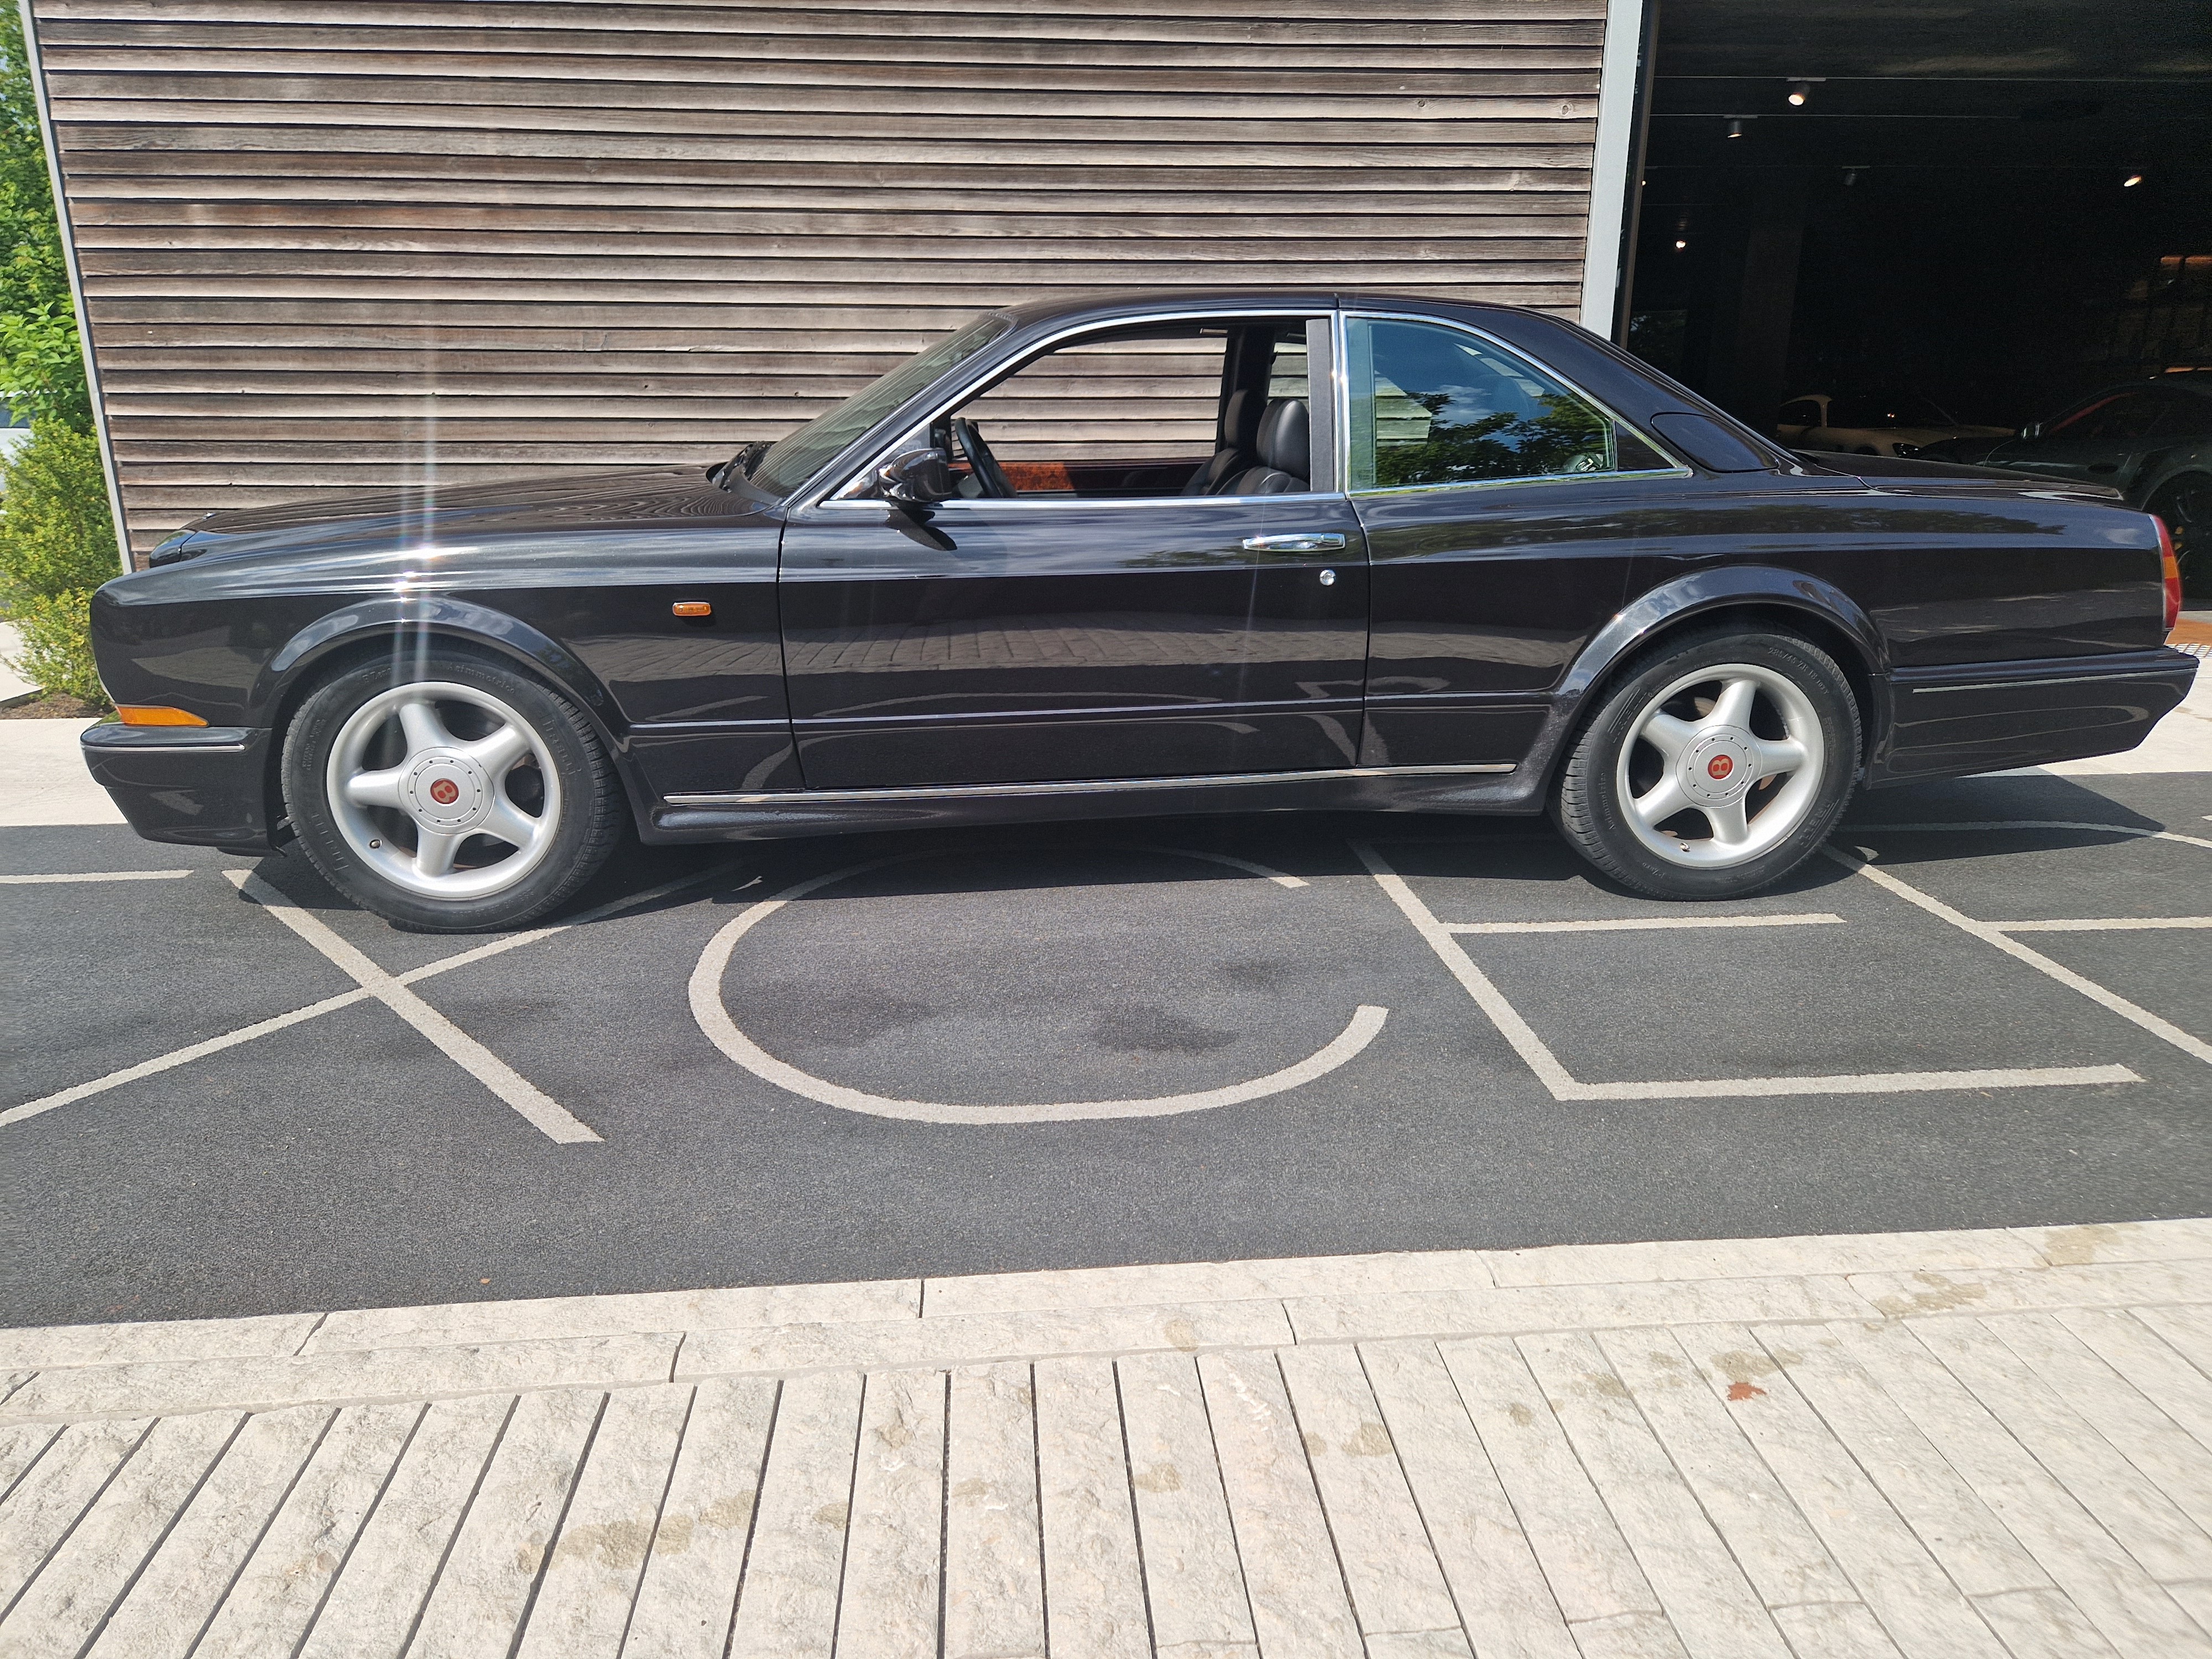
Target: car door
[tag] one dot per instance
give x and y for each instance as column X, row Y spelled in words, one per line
column 1502, row 509
column 1134, row 632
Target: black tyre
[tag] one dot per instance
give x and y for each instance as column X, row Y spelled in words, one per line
column 1715, row 767
column 2186, row 504
column 450, row 795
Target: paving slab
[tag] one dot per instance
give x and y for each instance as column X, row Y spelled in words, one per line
column 1952, row 1461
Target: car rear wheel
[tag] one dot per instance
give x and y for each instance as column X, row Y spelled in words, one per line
column 1715, row 767
column 450, row 795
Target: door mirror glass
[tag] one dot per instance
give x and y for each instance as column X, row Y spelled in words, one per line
column 917, row 477
column 1432, row 404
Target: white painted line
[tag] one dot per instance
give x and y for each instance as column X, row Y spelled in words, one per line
column 2134, row 830
column 1991, row 933
column 2101, row 924
column 714, row 1018
column 179, row 1057
column 1641, row 924
column 548, row 1115
column 330, row 1005
column 1487, row 997
column 1563, row 1086
column 1864, row 1082
column 94, row 875
column 1279, row 877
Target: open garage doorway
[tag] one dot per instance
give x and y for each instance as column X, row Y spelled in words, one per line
column 1879, row 225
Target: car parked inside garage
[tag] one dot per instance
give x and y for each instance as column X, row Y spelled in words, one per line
column 2151, row 439
column 1873, row 423
column 1350, row 552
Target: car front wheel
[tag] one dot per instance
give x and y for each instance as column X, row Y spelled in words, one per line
column 1716, row 768
column 449, row 794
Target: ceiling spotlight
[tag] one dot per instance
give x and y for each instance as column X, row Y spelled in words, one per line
column 1801, row 94
column 1681, row 243
column 1735, row 127
column 2131, row 181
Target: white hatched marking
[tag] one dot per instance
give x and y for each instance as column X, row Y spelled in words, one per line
column 1641, row 924
column 94, row 875
column 546, row 1113
column 2101, row 924
column 2166, row 1031
column 2134, row 829
column 213, row 1045
column 1554, row 1075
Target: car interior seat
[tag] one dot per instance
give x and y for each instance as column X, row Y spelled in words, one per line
column 1285, row 453
column 1240, row 432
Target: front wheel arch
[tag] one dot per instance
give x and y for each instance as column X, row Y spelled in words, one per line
column 307, row 664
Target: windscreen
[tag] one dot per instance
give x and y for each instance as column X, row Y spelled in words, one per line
column 792, row 461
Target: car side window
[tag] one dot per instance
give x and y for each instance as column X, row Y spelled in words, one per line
column 1803, row 412
column 2186, row 416
column 1436, row 406
column 2128, row 415
column 1197, row 406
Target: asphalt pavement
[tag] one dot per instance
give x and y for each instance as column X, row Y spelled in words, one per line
column 1138, row 1042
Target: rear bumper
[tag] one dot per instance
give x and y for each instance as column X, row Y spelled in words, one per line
column 202, row 785
column 1990, row 717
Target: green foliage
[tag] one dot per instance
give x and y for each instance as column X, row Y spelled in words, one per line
column 41, row 369
column 57, row 653
column 56, row 545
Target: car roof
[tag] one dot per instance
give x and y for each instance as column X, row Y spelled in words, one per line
column 1105, row 308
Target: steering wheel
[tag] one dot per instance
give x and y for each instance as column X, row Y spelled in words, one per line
column 989, row 473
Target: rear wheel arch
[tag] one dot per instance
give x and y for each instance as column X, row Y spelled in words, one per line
column 1753, row 615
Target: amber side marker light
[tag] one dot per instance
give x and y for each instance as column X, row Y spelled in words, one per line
column 2169, row 568
column 139, row 714
column 691, row 608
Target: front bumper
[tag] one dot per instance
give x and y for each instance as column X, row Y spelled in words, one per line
column 202, row 785
column 1991, row 717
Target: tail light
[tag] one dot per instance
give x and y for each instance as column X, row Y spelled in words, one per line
column 2169, row 567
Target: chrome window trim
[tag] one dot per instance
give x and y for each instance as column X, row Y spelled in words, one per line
column 1096, row 502
column 1344, row 321
column 816, row 495
column 1099, row 785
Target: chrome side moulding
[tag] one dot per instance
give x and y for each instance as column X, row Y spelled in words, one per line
column 1103, row 786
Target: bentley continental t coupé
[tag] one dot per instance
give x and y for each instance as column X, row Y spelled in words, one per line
column 1137, row 555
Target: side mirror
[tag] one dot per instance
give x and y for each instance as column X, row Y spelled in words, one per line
column 2033, row 429
column 917, row 477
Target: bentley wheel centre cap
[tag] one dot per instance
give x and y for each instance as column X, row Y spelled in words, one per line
column 446, row 792
column 1719, row 766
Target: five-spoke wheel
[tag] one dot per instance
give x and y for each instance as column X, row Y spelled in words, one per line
column 454, row 794
column 1715, row 766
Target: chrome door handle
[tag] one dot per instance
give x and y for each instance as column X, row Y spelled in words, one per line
column 1308, row 542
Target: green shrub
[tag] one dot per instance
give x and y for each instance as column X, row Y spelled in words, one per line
column 56, row 545
column 57, row 654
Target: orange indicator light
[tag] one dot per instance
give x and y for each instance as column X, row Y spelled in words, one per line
column 692, row 608
column 148, row 715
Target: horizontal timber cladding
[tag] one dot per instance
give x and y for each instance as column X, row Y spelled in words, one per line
column 323, row 244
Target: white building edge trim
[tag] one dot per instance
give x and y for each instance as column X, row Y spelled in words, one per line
column 37, row 68
column 1608, row 202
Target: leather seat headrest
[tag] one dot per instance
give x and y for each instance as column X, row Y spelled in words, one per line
column 1285, row 441
column 1239, row 426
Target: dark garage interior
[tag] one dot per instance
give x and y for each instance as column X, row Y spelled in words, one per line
column 2000, row 205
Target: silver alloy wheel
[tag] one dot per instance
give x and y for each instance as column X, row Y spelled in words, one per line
column 446, row 788
column 1712, row 762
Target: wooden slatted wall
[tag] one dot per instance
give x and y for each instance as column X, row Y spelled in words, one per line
column 331, row 245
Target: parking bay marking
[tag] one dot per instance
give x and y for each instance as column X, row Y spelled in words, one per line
column 1563, row 1086
column 94, row 875
column 1641, row 924
column 714, row 1018
column 1995, row 933
column 177, row 1057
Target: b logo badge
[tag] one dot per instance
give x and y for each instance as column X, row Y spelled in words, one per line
column 446, row 792
column 1717, row 768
